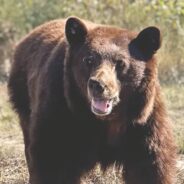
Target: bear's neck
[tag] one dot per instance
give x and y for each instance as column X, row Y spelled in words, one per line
column 141, row 100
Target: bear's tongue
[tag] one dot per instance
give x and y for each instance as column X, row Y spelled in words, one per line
column 102, row 105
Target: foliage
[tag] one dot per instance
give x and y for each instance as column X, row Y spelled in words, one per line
column 17, row 17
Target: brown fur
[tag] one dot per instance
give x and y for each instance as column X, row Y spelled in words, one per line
column 51, row 90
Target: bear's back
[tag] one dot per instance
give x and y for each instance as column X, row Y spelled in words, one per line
column 31, row 55
column 38, row 44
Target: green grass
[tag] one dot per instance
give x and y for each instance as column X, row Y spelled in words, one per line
column 12, row 162
column 174, row 97
column 13, row 168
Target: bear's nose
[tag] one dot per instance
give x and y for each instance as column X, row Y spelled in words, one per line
column 96, row 85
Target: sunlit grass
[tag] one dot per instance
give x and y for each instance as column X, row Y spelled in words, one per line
column 175, row 102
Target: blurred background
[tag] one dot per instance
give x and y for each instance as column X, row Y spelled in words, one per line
column 18, row 17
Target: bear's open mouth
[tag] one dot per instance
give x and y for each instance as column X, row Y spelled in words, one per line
column 101, row 107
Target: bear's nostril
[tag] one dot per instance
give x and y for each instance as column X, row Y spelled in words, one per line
column 95, row 85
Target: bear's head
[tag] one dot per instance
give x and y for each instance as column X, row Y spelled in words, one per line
column 109, row 63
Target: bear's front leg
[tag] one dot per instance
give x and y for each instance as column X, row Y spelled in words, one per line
column 147, row 166
column 50, row 154
column 150, row 155
column 50, row 166
column 157, row 171
column 43, row 167
column 142, row 173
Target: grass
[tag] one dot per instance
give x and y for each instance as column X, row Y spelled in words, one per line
column 174, row 97
column 12, row 161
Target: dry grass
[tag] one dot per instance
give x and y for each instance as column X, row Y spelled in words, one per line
column 12, row 161
column 175, row 102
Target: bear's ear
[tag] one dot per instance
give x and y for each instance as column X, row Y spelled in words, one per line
column 147, row 42
column 75, row 31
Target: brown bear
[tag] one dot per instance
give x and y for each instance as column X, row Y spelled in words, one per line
column 87, row 93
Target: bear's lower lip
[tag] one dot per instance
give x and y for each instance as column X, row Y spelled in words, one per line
column 101, row 107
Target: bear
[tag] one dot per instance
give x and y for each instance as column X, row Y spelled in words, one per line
column 87, row 93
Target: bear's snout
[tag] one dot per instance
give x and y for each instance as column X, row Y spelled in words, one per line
column 103, row 93
column 96, row 86
column 103, row 82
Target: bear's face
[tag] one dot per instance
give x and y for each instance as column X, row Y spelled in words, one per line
column 107, row 60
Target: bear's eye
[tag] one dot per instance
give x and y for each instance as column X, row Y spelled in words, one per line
column 119, row 65
column 119, row 68
column 89, row 60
